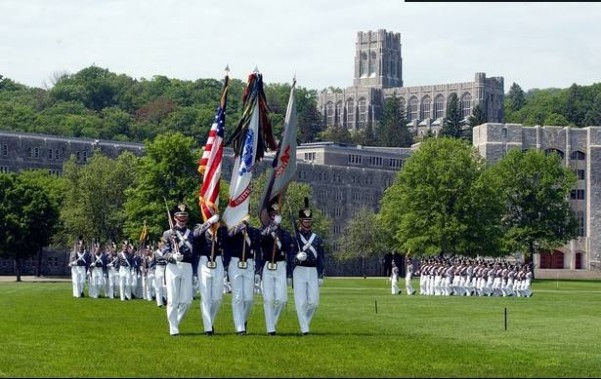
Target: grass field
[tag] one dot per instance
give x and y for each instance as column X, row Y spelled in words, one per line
column 360, row 330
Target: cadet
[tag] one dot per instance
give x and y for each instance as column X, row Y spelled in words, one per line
column 241, row 244
column 394, row 279
column 210, row 271
column 179, row 252
column 276, row 246
column 97, row 266
column 307, row 269
column 160, row 288
column 112, row 282
column 79, row 261
column 409, row 275
column 124, row 264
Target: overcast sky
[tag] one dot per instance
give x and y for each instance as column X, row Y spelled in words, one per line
column 536, row 45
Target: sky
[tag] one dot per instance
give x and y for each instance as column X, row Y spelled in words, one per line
column 536, row 45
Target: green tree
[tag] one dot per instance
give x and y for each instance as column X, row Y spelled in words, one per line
column 392, row 129
column 168, row 171
column 361, row 238
column 516, row 98
column 335, row 133
column 453, row 122
column 95, row 196
column 534, row 187
column 440, row 204
column 28, row 218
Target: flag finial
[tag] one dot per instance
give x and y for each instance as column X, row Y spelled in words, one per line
column 294, row 79
column 256, row 70
column 227, row 69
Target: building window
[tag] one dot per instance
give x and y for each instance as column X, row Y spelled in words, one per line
column 362, row 105
column 29, row 152
column 339, row 113
column 57, row 153
column 5, row 150
column 4, row 170
column 580, row 218
column 85, row 156
column 350, row 114
column 310, row 157
column 337, row 212
column 439, row 107
column 504, row 133
column 396, row 163
column 36, row 152
column 354, row 159
column 580, row 174
column 376, row 161
column 412, row 108
column 50, row 151
column 577, row 194
column 466, row 104
column 556, row 151
column 426, row 107
column 577, row 156
column 329, row 113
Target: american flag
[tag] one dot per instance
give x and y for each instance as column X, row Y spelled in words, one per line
column 209, row 165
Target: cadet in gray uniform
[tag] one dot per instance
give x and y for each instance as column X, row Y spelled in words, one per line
column 79, row 260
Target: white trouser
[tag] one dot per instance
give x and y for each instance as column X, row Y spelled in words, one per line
column 408, row 285
column 394, row 284
column 148, row 281
column 178, row 277
column 242, row 281
column 125, row 283
column 97, row 282
column 78, row 276
column 160, row 290
column 211, row 290
column 306, row 295
column 112, row 282
column 275, row 294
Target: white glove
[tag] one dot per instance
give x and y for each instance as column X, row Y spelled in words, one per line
column 213, row 219
column 320, row 282
column 277, row 219
column 257, row 278
column 178, row 257
column 289, row 281
column 301, row 256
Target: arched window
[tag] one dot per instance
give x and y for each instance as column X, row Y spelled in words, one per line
column 349, row 123
column 402, row 103
column 577, row 156
column 412, row 109
column 466, row 104
column 339, row 113
column 372, row 63
column 364, row 64
column 439, row 107
column 557, row 151
column 330, row 113
column 362, row 117
column 425, row 108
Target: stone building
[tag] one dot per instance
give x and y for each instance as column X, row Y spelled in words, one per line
column 580, row 149
column 378, row 74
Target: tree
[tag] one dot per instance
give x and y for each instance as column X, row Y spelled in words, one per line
column 534, row 187
column 392, row 129
column 361, row 238
column 453, row 122
column 440, row 204
column 516, row 98
column 478, row 117
column 95, row 196
column 335, row 133
column 168, row 171
column 28, row 218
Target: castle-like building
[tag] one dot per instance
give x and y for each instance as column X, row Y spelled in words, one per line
column 379, row 74
column 580, row 150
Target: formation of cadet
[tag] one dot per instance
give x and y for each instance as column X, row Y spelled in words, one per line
column 264, row 261
column 474, row 277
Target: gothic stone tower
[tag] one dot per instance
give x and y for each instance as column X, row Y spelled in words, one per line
column 378, row 61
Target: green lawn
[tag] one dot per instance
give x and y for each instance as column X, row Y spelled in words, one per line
column 360, row 330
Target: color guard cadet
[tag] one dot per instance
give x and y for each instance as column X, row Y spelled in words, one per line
column 307, row 269
column 209, row 240
column 79, row 261
column 241, row 244
column 276, row 247
column 179, row 252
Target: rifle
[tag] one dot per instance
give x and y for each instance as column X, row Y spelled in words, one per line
column 172, row 227
column 293, row 226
